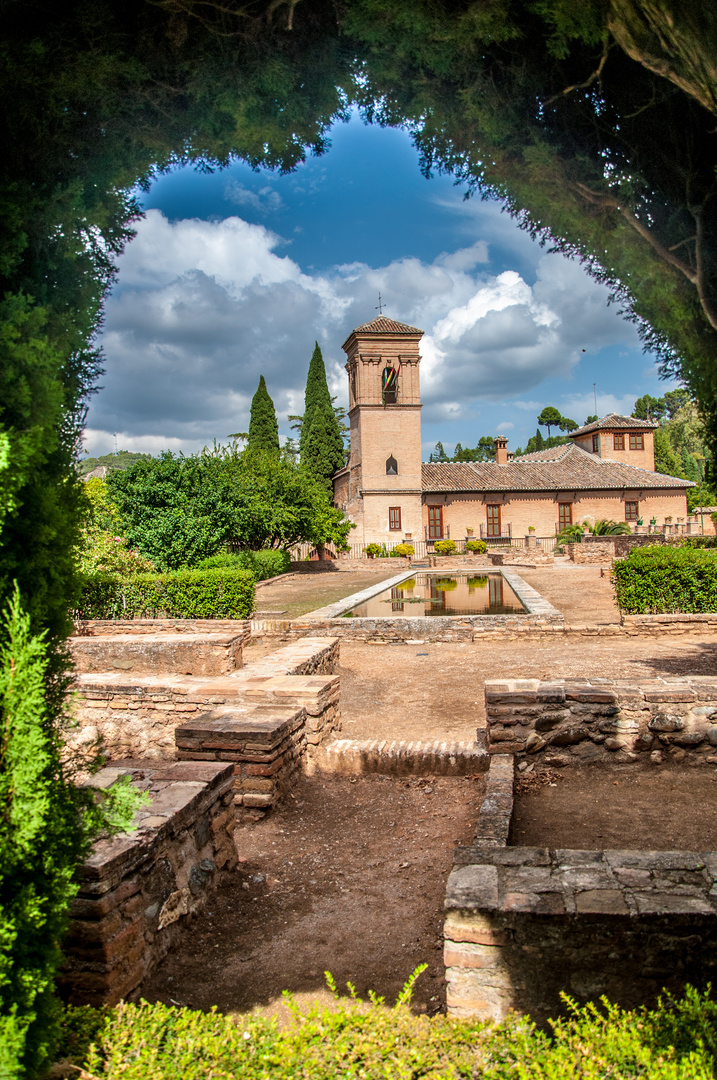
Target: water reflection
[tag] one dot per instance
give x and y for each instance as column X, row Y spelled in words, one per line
column 444, row 594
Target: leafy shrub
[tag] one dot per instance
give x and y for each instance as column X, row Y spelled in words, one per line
column 662, row 579
column 478, row 546
column 405, row 550
column 445, row 547
column 372, row 550
column 674, row 1041
column 187, row 594
column 46, row 825
column 180, row 510
column 264, row 564
column 101, row 552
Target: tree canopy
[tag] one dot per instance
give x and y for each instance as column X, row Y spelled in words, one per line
column 179, row 510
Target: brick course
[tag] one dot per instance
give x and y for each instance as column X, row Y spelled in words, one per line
column 138, row 889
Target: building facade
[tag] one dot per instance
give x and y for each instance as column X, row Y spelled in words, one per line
column 607, row 471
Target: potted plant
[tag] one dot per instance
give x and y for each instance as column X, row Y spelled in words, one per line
column 531, row 528
column 653, row 521
column 469, row 532
column 372, row 550
column 639, row 521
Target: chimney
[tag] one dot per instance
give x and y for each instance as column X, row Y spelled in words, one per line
column 501, row 450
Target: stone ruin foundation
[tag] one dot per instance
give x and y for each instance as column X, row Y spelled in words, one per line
column 207, row 738
column 524, row 924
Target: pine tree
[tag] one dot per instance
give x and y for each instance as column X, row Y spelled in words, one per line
column 321, row 444
column 263, row 428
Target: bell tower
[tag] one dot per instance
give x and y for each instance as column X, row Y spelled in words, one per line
column 380, row 488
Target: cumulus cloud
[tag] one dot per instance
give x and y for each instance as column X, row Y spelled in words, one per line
column 202, row 308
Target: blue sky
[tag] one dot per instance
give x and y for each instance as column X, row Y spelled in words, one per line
column 234, row 274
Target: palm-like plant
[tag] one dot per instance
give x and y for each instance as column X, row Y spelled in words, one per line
column 571, row 534
column 603, row 527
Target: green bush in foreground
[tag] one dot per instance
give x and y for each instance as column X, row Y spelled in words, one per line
column 264, row 564
column 479, row 547
column 186, row 594
column 445, row 547
column 661, row 579
column 46, row 826
column 675, row 1041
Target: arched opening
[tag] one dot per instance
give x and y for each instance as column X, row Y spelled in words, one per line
column 391, row 466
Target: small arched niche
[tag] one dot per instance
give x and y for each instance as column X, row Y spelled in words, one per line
column 391, row 466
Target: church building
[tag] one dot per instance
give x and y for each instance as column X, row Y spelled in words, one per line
column 606, row 471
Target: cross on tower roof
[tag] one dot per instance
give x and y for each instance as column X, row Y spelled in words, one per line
column 380, row 306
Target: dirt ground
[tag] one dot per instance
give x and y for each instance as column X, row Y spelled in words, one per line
column 310, row 591
column 435, row 690
column 577, row 591
column 347, row 876
column 662, row 808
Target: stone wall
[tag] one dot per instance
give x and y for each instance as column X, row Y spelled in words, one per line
column 525, row 924
column 135, row 715
column 102, row 627
column 590, row 554
column 162, row 654
column 587, row 720
column 531, row 557
column 138, row 889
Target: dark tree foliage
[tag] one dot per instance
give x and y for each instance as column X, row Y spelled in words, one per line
column 263, row 428
column 321, row 443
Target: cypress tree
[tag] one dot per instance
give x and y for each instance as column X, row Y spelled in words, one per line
column 321, row 445
column 263, row 428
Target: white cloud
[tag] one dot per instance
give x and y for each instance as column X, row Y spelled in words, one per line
column 203, row 308
column 506, row 425
column 265, row 200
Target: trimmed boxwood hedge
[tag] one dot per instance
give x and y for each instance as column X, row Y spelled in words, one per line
column 264, row 564
column 660, row 580
column 185, row 594
column 675, row 1041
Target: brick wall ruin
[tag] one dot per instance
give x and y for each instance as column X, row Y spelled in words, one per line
column 138, row 889
column 587, row 720
column 525, row 924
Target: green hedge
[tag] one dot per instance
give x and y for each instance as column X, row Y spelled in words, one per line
column 675, row 1041
column 657, row 580
column 264, row 564
column 186, row 594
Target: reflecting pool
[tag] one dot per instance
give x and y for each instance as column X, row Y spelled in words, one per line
column 443, row 594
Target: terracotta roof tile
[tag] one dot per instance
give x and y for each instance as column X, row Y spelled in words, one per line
column 572, row 468
column 613, row 421
column 382, row 325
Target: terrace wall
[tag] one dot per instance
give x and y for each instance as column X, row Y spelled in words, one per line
column 138, row 889
column 586, row 720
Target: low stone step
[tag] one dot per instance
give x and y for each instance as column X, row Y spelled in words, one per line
column 352, row 757
column 160, row 654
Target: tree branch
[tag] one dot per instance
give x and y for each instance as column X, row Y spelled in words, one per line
column 695, row 276
column 583, row 85
column 705, row 299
